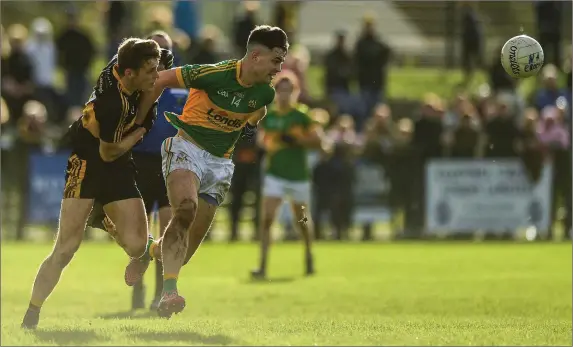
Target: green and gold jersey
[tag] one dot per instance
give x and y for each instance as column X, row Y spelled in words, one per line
column 218, row 105
column 286, row 161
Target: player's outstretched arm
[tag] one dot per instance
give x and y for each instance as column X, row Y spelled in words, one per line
column 166, row 79
column 258, row 116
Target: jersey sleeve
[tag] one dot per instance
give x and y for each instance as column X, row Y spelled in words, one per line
column 108, row 113
column 197, row 76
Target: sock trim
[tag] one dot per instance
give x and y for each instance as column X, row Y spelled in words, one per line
column 170, row 277
column 36, row 303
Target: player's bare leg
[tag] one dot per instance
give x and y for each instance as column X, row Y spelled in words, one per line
column 182, row 187
column 200, row 227
column 304, row 224
column 269, row 209
column 73, row 217
column 164, row 218
column 130, row 232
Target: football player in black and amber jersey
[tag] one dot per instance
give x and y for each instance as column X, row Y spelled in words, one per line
column 100, row 166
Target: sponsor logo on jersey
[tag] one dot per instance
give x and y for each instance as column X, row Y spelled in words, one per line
column 222, row 119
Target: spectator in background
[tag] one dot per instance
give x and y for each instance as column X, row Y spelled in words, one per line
column 333, row 177
column 428, row 139
column 316, row 157
column 501, row 131
column 243, row 25
column 333, row 183
column 76, row 52
column 205, row 53
column 182, row 47
column 378, row 145
column 379, row 134
column 531, row 148
column 555, row 138
column 552, row 131
column 187, row 18
column 338, row 74
column 548, row 15
column 403, row 166
column 472, row 40
column 31, row 130
column 548, row 94
column 343, row 130
column 465, row 142
column 118, row 25
column 42, row 52
column 17, row 72
column 499, row 80
column 298, row 61
column 428, row 128
column 371, row 58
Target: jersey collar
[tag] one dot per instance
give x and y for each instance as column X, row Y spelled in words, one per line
column 239, row 76
column 118, row 78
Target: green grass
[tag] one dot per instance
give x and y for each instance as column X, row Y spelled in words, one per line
column 363, row 294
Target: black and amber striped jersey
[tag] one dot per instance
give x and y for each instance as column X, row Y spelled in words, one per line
column 109, row 113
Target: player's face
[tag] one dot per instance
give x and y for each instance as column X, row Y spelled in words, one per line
column 269, row 63
column 146, row 76
column 284, row 90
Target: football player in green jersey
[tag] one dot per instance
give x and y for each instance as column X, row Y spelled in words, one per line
column 287, row 133
column 225, row 100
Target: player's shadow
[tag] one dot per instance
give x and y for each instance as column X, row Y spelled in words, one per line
column 190, row 338
column 270, row 280
column 67, row 336
column 141, row 314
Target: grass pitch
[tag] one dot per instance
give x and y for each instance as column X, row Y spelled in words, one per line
column 363, row 294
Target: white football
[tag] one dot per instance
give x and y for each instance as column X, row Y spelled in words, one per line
column 522, row 56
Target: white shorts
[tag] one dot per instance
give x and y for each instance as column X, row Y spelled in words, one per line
column 298, row 191
column 214, row 173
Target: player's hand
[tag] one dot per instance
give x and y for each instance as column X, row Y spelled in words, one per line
column 249, row 132
column 133, row 128
column 288, row 139
column 166, row 58
column 150, row 118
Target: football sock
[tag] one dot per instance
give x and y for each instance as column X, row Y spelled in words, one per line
column 153, row 248
column 158, row 278
column 149, row 248
column 169, row 283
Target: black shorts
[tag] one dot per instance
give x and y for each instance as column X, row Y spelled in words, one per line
column 89, row 177
column 150, row 180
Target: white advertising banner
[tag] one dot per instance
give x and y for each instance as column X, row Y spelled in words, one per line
column 484, row 194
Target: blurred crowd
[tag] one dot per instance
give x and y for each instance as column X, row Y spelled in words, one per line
column 359, row 122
